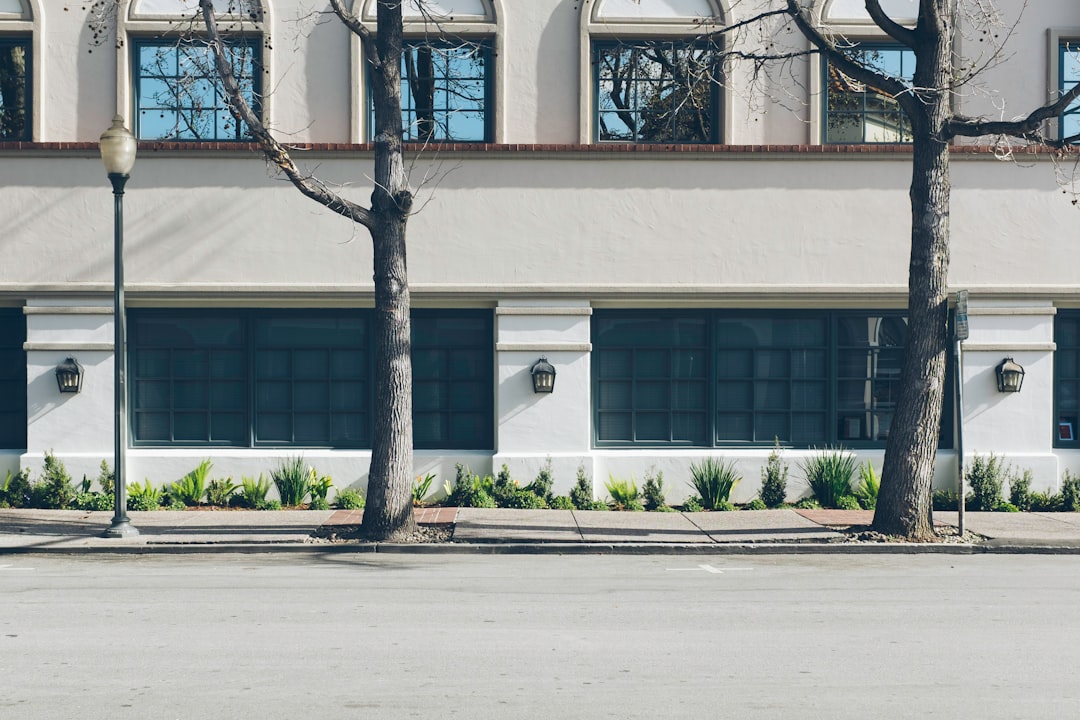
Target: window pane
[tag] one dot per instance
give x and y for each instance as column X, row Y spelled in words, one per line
column 13, row 379
column 445, row 91
column 178, row 95
column 14, row 89
column 1069, row 74
column 1066, row 378
column 857, row 113
column 453, row 380
column 655, row 91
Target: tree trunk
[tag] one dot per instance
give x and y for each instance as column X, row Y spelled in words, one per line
column 903, row 506
column 389, row 512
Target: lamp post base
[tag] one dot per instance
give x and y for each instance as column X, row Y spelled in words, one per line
column 120, row 528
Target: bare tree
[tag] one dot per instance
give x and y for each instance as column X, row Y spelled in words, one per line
column 931, row 124
column 389, row 512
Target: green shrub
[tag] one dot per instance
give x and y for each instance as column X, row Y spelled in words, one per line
column 624, row 494
column 541, row 485
column 350, row 499
column 53, row 490
column 1045, row 502
column 848, row 502
column 653, row 493
column 269, row 505
column 581, row 495
column 561, row 502
column 16, row 489
column 808, row 503
column 143, row 497
column 829, row 475
column 92, row 500
column 774, row 477
column 1070, row 492
column 504, row 487
column 252, row 492
column 471, row 490
column 522, row 499
column 985, row 476
column 319, row 487
column 869, row 486
column 714, row 479
column 1020, row 494
column 945, row 500
column 191, row 489
column 292, row 480
column 692, row 504
column 421, row 488
column 107, row 480
column 219, row 492
column 756, row 504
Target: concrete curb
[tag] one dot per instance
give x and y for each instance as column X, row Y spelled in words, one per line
column 513, row 548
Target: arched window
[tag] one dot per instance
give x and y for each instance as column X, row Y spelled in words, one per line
column 448, row 78
column 18, row 78
column 852, row 112
column 653, row 74
column 174, row 90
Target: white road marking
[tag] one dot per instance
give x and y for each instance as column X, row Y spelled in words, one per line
column 709, row 569
column 11, row 567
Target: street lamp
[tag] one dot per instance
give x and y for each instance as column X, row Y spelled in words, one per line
column 118, row 155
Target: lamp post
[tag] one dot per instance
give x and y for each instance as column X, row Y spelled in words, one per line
column 118, row 155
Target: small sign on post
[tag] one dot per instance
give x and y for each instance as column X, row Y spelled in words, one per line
column 962, row 329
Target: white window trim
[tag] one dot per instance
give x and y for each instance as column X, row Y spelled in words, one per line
column 31, row 23
column 592, row 26
column 472, row 26
column 1054, row 38
column 132, row 26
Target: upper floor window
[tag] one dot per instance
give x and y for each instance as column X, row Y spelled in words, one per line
column 448, row 78
column 650, row 73
column 178, row 95
column 1068, row 77
column 858, row 113
column 15, row 86
column 656, row 91
column 445, row 91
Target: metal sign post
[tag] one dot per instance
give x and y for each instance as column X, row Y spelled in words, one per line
column 960, row 333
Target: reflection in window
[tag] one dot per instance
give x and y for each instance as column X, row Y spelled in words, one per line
column 1069, row 74
column 12, row 379
column 856, row 113
column 656, row 91
column 14, row 89
column 445, row 91
column 716, row 378
column 178, row 95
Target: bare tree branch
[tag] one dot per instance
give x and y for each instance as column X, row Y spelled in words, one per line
column 897, row 32
column 1028, row 128
column 274, row 151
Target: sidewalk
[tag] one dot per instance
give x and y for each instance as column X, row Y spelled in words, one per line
column 526, row 531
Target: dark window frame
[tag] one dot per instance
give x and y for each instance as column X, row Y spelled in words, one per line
column 712, row 319
column 1066, row 47
column 440, row 126
column 13, row 378
column 25, row 42
column 866, row 94
column 1067, row 378
column 248, row 319
column 714, row 132
column 237, row 133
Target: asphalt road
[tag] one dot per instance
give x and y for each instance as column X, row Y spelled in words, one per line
column 365, row 636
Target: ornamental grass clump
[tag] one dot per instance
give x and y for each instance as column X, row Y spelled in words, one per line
column 829, row 476
column 191, row 488
column 145, row 496
column 292, row 480
column 869, row 486
column 624, row 494
column 252, row 492
column 714, row 479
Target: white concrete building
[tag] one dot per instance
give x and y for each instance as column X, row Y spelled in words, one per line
column 707, row 266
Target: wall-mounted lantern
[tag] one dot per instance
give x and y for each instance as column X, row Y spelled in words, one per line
column 1010, row 376
column 543, row 376
column 69, row 375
